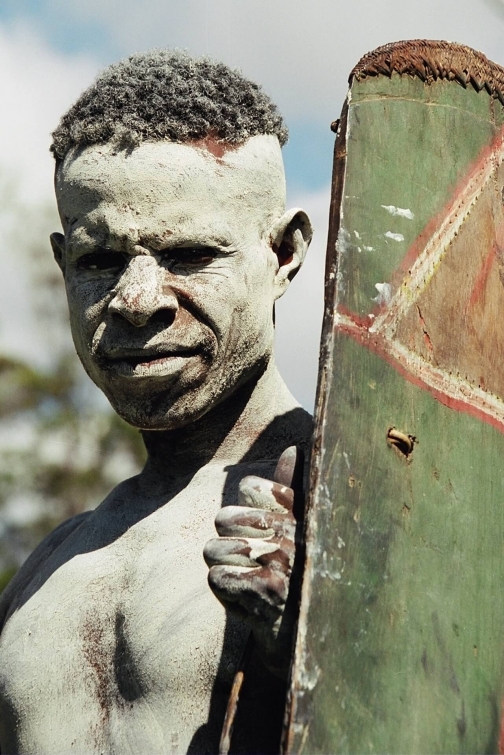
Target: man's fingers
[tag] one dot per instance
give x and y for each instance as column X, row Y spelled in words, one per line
column 290, row 468
column 254, row 592
column 242, row 521
column 258, row 493
column 247, row 552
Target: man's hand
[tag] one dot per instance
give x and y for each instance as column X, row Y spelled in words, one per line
column 252, row 560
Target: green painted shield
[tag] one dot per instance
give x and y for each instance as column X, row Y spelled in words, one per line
column 400, row 643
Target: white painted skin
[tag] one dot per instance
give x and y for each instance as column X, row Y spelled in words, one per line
column 173, row 256
column 165, row 197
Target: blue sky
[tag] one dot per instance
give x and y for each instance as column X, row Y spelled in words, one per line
column 90, row 37
column 301, row 51
column 308, row 154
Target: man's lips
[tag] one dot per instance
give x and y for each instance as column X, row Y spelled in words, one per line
column 145, row 354
column 148, row 362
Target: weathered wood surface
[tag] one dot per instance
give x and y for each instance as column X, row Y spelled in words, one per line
column 400, row 643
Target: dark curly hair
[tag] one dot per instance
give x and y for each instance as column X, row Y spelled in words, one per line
column 165, row 94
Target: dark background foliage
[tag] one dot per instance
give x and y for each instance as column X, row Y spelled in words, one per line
column 62, row 448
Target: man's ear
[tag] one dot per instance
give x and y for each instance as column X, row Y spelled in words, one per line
column 290, row 238
column 58, row 247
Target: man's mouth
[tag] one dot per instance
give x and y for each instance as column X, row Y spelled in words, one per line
column 149, row 363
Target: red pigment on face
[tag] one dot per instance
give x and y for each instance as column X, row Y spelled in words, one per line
column 216, row 148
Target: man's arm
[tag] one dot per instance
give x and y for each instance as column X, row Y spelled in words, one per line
column 17, row 585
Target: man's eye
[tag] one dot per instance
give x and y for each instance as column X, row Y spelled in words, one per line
column 109, row 261
column 190, row 256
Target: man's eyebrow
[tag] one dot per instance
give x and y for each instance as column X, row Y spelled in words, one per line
column 79, row 234
column 173, row 241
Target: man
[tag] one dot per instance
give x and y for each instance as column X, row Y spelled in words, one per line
column 176, row 245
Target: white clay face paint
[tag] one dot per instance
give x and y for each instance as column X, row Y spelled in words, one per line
column 175, row 309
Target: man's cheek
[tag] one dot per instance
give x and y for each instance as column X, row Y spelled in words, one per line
column 89, row 297
column 220, row 306
column 83, row 293
column 87, row 328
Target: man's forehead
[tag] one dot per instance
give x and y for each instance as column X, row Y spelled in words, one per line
column 172, row 184
column 105, row 226
column 163, row 165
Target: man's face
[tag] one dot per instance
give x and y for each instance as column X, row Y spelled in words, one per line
column 169, row 271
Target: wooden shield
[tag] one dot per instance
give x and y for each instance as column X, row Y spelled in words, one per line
column 400, row 640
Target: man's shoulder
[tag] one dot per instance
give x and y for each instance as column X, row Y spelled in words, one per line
column 35, row 561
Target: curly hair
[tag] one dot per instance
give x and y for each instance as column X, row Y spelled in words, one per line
column 164, row 94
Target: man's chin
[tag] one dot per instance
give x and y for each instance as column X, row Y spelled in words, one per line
column 161, row 399
column 171, row 403
column 159, row 414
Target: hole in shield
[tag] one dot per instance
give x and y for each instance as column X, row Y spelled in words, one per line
column 402, row 441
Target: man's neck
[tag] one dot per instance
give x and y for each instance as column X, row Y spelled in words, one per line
column 228, row 433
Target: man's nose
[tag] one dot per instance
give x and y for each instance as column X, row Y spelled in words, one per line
column 143, row 291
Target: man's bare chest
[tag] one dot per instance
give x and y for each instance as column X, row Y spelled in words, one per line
column 128, row 637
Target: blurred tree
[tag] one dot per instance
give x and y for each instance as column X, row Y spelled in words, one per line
column 62, row 448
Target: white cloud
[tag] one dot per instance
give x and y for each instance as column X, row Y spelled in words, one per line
column 299, row 312
column 300, row 50
column 37, row 85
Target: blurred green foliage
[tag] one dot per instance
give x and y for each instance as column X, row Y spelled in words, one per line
column 62, row 449
column 67, row 458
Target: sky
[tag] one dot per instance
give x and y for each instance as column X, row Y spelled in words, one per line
column 301, row 51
